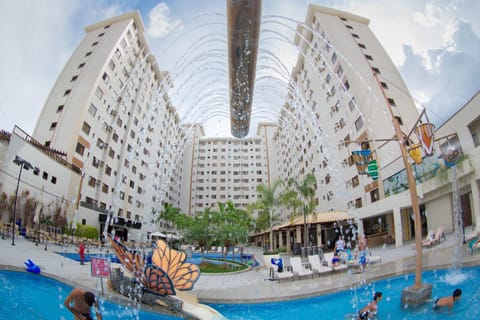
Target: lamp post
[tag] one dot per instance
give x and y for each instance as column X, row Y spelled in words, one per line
column 23, row 164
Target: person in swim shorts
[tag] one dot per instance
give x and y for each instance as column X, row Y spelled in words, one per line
column 79, row 302
column 448, row 301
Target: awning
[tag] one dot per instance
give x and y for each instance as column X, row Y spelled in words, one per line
column 321, row 217
column 158, row 234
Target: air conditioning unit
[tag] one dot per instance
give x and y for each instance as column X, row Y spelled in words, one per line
column 98, row 182
column 101, row 163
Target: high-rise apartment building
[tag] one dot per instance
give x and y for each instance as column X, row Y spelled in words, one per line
column 337, row 97
column 224, row 169
column 109, row 112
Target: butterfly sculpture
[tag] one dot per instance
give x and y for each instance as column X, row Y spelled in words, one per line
column 168, row 270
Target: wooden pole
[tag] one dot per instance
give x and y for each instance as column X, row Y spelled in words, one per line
column 413, row 191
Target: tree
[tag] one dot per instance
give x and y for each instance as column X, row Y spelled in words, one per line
column 269, row 198
column 304, row 193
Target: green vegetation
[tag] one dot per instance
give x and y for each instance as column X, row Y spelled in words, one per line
column 224, row 227
column 209, row 267
column 229, row 226
column 86, row 231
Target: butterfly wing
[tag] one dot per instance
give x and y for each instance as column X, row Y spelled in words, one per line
column 158, row 280
column 183, row 274
column 150, row 276
column 132, row 260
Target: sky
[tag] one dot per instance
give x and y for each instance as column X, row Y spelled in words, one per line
column 435, row 44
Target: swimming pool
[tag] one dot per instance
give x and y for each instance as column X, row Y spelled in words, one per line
column 30, row 296
column 344, row 305
column 196, row 257
column 25, row 296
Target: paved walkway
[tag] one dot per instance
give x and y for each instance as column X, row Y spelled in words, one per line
column 249, row 286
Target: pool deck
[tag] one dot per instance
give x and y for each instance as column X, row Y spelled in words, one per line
column 251, row 286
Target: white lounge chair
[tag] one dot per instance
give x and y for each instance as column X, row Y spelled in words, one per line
column 317, row 266
column 438, row 237
column 340, row 267
column 298, row 268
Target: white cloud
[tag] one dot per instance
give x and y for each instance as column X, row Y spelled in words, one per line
column 160, row 22
column 40, row 37
column 453, row 78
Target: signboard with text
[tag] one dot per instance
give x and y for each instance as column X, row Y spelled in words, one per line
column 100, row 267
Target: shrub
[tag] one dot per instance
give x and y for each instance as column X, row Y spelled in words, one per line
column 86, row 231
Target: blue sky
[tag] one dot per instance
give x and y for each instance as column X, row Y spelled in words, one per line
column 435, row 44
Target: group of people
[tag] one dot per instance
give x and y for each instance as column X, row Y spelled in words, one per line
column 340, row 247
column 371, row 309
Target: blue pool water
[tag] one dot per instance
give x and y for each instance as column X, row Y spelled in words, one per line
column 345, row 304
column 29, row 296
column 25, row 296
column 196, row 257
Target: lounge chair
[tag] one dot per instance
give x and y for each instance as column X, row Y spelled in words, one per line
column 438, row 237
column 299, row 269
column 473, row 245
column 328, row 259
column 430, row 236
column 274, row 274
column 317, row 266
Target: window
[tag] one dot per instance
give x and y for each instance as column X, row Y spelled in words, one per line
column 334, row 57
column 474, row 128
column 399, row 119
column 92, row 110
column 45, row 176
column 80, row 149
column 358, row 203
column 384, row 85
column 105, row 77
column 74, row 78
column 369, row 57
column 81, row 65
column 88, row 53
column 105, row 188
column 99, row 93
column 95, row 43
column 86, row 128
column 60, row 108
column 123, row 43
column 374, row 195
column 118, row 53
column 53, row 126
column 359, row 123
column 361, row 45
column 101, row 34
column 376, row 70
column 391, row 102
column 53, row 180
column 355, row 181
column 351, row 104
column 111, row 64
column 339, row 71
column 67, row 92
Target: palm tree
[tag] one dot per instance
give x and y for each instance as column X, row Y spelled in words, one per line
column 305, row 192
column 269, row 198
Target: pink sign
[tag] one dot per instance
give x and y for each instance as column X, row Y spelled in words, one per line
column 100, row 267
